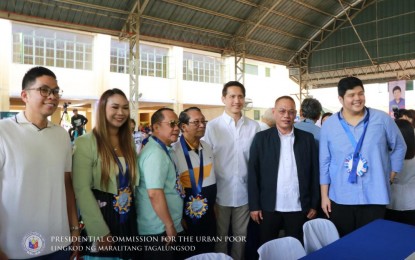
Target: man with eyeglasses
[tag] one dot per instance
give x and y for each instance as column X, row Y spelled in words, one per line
column 283, row 178
column 159, row 202
column 197, row 176
column 230, row 136
column 36, row 194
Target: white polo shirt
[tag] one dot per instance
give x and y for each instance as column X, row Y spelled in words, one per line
column 33, row 212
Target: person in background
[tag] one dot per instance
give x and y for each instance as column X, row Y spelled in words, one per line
column 325, row 116
column 137, row 136
column 283, row 185
column 310, row 112
column 160, row 203
column 78, row 122
column 402, row 203
column 104, row 177
column 230, row 136
column 197, row 176
column 361, row 151
column 36, row 194
column 267, row 120
column 397, row 102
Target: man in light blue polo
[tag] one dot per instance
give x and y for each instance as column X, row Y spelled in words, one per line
column 310, row 113
column 159, row 205
column 361, row 151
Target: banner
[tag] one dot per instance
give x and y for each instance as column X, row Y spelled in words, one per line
column 396, row 95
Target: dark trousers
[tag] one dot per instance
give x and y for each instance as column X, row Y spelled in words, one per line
column 404, row 216
column 348, row 218
column 273, row 222
column 155, row 248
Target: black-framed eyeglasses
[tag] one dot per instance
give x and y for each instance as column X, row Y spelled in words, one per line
column 46, row 91
column 198, row 122
column 172, row 123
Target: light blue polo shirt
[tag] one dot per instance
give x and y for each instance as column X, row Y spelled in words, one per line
column 157, row 171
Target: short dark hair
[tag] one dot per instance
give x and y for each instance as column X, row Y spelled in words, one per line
column 158, row 116
column 396, row 88
column 327, row 114
column 31, row 75
column 232, row 84
column 311, row 108
column 348, row 83
column 284, row 97
column 184, row 117
column 408, row 135
column 133, row 121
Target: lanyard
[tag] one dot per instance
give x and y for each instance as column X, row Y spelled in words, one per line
column 358, row 146
column 122, row 178
column 196, row 189
column 164, row 148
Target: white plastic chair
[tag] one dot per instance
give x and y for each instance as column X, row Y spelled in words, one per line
column 319, row 233
column 286, row 248
column 210, row 256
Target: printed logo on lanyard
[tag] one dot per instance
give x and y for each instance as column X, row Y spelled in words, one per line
column 355, row 163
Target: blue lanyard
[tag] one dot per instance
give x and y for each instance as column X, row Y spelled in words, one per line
column 358, row 146
column 166, row 150
column 196, row 189
column 122, row 178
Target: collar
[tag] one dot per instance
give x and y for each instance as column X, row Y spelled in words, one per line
column 229, row 120
column 191, row 148
column 290, row 134
column 307, row 120
column 21, row 119
column 363, row 117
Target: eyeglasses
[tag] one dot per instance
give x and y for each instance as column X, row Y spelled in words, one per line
column 197, row 122
column 172, row 123
column 291, row 112
column 46, row 91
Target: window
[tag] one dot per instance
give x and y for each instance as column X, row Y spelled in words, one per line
column 197, row 67
column 153, row 60
column 251, row 69
column 46, row 47
column 267, row 72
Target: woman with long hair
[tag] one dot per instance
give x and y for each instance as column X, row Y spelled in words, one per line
column 104, row 177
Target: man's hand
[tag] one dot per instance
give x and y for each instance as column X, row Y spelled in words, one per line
column 171, row 235
column 326, row 206
column 75, row 234
column 312, row 213
column 106, row 242
column 3, row 256
column 256, row 216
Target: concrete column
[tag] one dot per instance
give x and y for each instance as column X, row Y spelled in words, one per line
column 177, row 90
column 6, row 50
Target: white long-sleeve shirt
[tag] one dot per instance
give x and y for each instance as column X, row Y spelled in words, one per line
column 230, row 144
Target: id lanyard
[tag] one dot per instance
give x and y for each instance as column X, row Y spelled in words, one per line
column 196, row 189
column 357, row 147
column 178, row 187
column 123, row 199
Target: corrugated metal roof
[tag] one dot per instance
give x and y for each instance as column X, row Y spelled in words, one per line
column 280, row 31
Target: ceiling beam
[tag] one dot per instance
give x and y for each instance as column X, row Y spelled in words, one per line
column 280, row 14
column 92, row 6
column 232, row 18
column 53, row 23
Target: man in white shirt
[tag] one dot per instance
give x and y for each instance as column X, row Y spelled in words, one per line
column 37, row 203
column 230, row 136
column 283, row 179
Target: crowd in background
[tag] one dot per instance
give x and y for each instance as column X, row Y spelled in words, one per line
column 228, row 185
